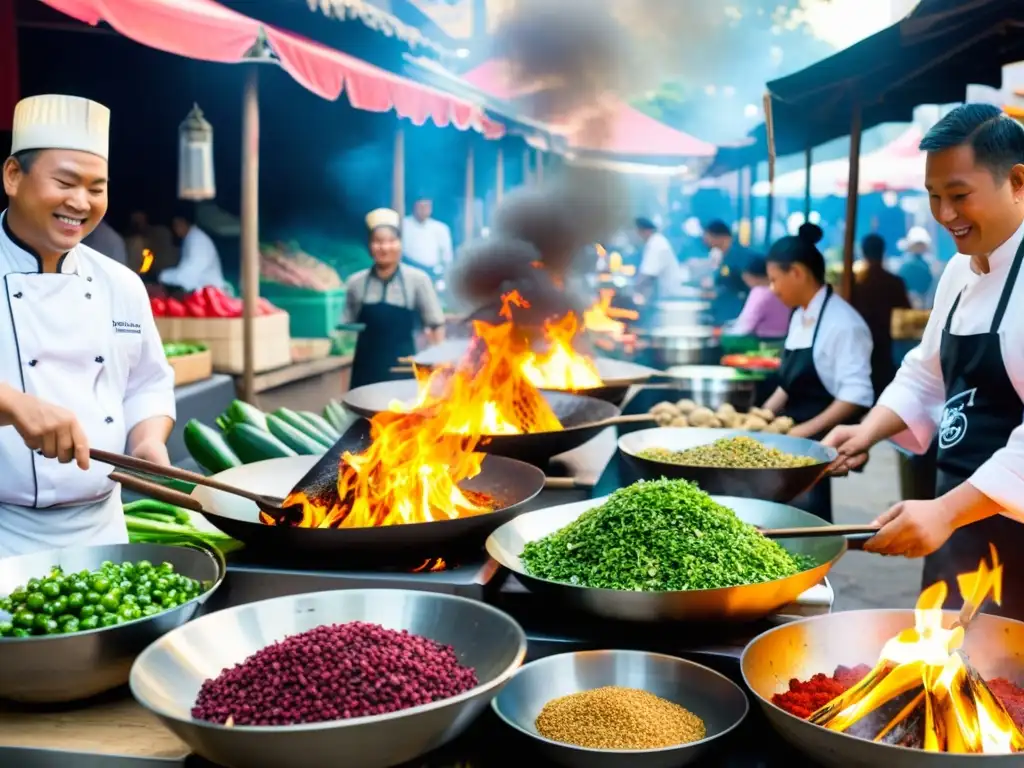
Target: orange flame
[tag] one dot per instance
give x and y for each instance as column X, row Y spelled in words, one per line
column 147, row 261
column 602, row 317
column 961, row 715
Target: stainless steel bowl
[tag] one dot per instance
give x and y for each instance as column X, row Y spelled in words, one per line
column 719, row 702
column 781, row 485
column 803, row 648
column 63, row 668
column 167, row 677
column 682, row 312
column 729, row 604
column 714, row 385
column 683, row 345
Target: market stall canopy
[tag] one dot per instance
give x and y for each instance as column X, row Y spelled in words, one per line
column 379, row 21
column 896, row 167
column 634, row 136
column 206, row 30
column 930, row 57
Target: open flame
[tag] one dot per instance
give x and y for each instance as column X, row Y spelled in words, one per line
column 602, row 317
column 949, row 707
column 147, row 261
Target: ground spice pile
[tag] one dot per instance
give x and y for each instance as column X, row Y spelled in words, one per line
column 805, row 697
column 730, row 453
column 618, row 718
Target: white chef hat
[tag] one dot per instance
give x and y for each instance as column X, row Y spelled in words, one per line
column 383, row 217
column 915, row 236
column 61, row 122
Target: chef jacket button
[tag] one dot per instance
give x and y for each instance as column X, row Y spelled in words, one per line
column 99, row 358
column 89, row 279
column 109, row 419
column 18, row 295
column 32, row 362
column 88, row 295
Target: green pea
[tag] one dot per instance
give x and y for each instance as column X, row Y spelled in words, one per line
column 33, row 584
column 6, row 605
column 60, row 605
column 50, row 589
column 108, row 620
column 100, row 584
column 158, row 596
column 69, row 626
column 89, row 622
column 76, row 601
column 172, row 597
column 149, row 610
column 24, row 619
column 127, row 568
column 129, row 599
column 106, row 565
column 42, row 621
column 52, row 627
column 110, row 601
column 35, row 601
column 80, row 585
column 166, row 568
column 162, row 584
column 49, row 608
column 92, row 598
column 143, row 566
column 19, row 595
column 126, row 585
column 145, row 600
column 86, row 611
column 19, row 632
column 99, row 609
column 6, row 628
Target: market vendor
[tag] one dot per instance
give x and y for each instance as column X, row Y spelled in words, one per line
column 764, row 315
column 730, row 259
column 969, row 366
column 825, row 377
column 660, row 275
column 81, row 363
column 389, row 298
column 199, row 265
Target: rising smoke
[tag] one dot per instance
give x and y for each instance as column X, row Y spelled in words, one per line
column 571, row 60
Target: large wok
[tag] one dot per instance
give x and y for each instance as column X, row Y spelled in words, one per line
column 731, row 604
column 617, row 376
column 803, row 648
column 781, row 485
column 582, row 417
column 511, row 483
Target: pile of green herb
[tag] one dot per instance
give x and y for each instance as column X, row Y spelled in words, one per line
column 658, row 536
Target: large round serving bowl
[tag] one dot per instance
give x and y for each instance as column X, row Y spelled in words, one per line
column 62, row 668
column 781, row 485
column 167, row 677
column 804, row 648
column 719, row 702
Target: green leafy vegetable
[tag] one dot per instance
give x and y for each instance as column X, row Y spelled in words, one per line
column 657, row 536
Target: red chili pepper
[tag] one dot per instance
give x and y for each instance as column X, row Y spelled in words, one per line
column 159, row 306
column 234, row 306
column 175, row 308
column 216, row 303
column 266, row 308
column 196, row 306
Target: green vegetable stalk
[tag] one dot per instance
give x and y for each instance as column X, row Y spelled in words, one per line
column 658, row 536
column 155, row 522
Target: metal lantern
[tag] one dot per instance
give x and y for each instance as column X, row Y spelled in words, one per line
column 195, row 158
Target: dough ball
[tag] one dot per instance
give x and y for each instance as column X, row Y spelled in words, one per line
column 686, row 405
column 714, row 423
column 785, row 423
column 679, row 421
column 754, row 424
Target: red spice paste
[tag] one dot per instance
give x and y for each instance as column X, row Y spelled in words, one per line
column 805, row 697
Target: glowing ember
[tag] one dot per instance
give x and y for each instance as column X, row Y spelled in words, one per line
column 949, row 702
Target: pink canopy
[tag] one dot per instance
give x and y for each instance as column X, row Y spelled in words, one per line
column 208, row 31
column 633, row 133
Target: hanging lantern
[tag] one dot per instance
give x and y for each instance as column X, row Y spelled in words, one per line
column 195, row 158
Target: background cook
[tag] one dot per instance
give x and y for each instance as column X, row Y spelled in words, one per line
column 965, row 381
column 389, row 299
column 825, row 377
column 81, row 363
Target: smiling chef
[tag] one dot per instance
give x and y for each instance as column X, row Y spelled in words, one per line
column 81, row 363
column 964, row 384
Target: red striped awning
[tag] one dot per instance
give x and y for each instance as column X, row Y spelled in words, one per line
column 208, row 31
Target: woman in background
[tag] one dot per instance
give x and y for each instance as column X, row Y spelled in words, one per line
column 825, row 378
column 764, row 315
column 389, row 299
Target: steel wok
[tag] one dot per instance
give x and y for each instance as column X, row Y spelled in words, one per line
column 581, row 416
column 782, row 485
column 617, row 376
column 803, row 648
column 511, row 483
column 729, row 604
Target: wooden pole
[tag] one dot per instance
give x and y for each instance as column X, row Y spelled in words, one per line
column 250, row 226
column 499, row 176
column 808, row 162
column 398, row 173
column 852, row 195
column 470, row 195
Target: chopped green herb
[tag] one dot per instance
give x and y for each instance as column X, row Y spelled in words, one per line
column 657, row 536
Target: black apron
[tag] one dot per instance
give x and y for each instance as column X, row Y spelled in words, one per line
column 982, row 409
column 389, row 335
column 807, row 398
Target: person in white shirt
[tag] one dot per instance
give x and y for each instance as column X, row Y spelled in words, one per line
column 964, row 384
column 81, row 363
column 426, row 242
column 199, row 265
column 660, row 274
column 825, row 377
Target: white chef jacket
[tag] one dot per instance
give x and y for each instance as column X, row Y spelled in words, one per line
column 842, row 353
column 427, row 242
column 659, row 261
column 199, row 265
column 83, row 339
column 918, row 393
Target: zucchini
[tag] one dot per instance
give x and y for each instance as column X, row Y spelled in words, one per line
column 321, row 424
column 253, row 444
column 296, row 422
column 154, row 507
column 208, row 448
column 338, row 417
column 241, row 412
column 295, row 439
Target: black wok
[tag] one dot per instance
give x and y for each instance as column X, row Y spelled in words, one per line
column 582, row 417
column 617, row 376
column 510, row 483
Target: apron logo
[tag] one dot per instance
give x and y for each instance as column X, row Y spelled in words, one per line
column 122, row 326
column 953, row 427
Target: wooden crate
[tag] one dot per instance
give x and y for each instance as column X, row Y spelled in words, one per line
column 224, row 337
column 304, row 350
column 191, row 368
